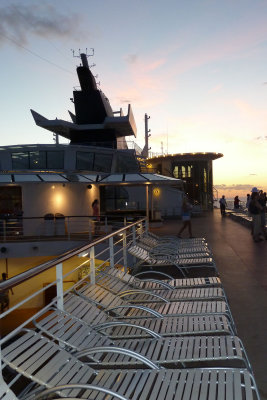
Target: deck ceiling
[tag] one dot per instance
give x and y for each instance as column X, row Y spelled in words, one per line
column 134, row 179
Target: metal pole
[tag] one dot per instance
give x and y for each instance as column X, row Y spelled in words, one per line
column 147, row 203
column 152, row 205
column 92, row 265
column 134, row 235
column 124, row 250
column 111, row 252
column 134, row 240
column 60, row 293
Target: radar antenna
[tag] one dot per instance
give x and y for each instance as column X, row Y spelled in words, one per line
column 84, row 56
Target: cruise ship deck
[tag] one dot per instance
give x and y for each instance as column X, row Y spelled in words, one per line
column 242, row 265
column 242, row 268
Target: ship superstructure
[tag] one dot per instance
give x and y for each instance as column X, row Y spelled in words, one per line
column 94, row 122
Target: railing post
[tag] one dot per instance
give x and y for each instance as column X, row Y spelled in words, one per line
column 134, row 241
column 60, row 292
column 134, row 234
column 124, row 250
column 92, row 265
column 111, row 252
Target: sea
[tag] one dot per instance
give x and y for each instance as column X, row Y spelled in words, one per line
column 230, row 202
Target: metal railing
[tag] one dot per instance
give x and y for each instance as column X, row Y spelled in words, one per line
column 64, row 227
column 72, row 267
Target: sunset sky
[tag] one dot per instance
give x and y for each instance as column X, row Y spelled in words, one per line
column 198, row 68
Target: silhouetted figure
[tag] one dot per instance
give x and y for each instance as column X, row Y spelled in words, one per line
column 255, row 211
column 236, row 202
column 223, row 204
column 186, row 217
column 262, row 201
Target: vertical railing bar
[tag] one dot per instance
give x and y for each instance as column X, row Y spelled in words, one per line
column 92, row 265
column 134, row 241
column 124, row 244
column 60, row 291
column 111, row 252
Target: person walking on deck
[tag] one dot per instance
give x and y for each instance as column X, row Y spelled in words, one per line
column 186, row 217
column 223, row 204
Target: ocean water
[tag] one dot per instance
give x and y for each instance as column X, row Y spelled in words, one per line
column 230, row 201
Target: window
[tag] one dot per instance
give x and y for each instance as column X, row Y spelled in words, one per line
column 103, row 162
column 114, row 198
column 126, row 162
column 55, row 159
column 85, row 160
column 93, row 161
column 38, row 160
column 20, row 160
column 10, row 200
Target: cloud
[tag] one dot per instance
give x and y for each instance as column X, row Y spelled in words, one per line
column 21, row 21
column 261, row 137
column 243, row 187
column 131, row 58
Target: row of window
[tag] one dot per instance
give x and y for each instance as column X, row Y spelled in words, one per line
column 88, row 161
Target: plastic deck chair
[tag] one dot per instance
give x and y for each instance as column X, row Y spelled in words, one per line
column 137, row 294
column 181, row 263
column 77, row 336
column 46, row 363
column 157, row 280
column 115, row 305
column 150, row 243
column 208, row 324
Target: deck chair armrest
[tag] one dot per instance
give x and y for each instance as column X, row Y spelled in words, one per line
column 138, row 307
column 106, row 325
column 118, row 350
column 136, row 291
column 79, row 386
column 169, row 277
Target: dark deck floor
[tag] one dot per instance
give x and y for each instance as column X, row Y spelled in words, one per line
column 242, row 265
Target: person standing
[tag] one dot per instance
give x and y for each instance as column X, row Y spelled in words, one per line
column 186, row 217
column 255, row 211
column 248, row 201
column 262, row 201
column 223, row 204
column 236, row 203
